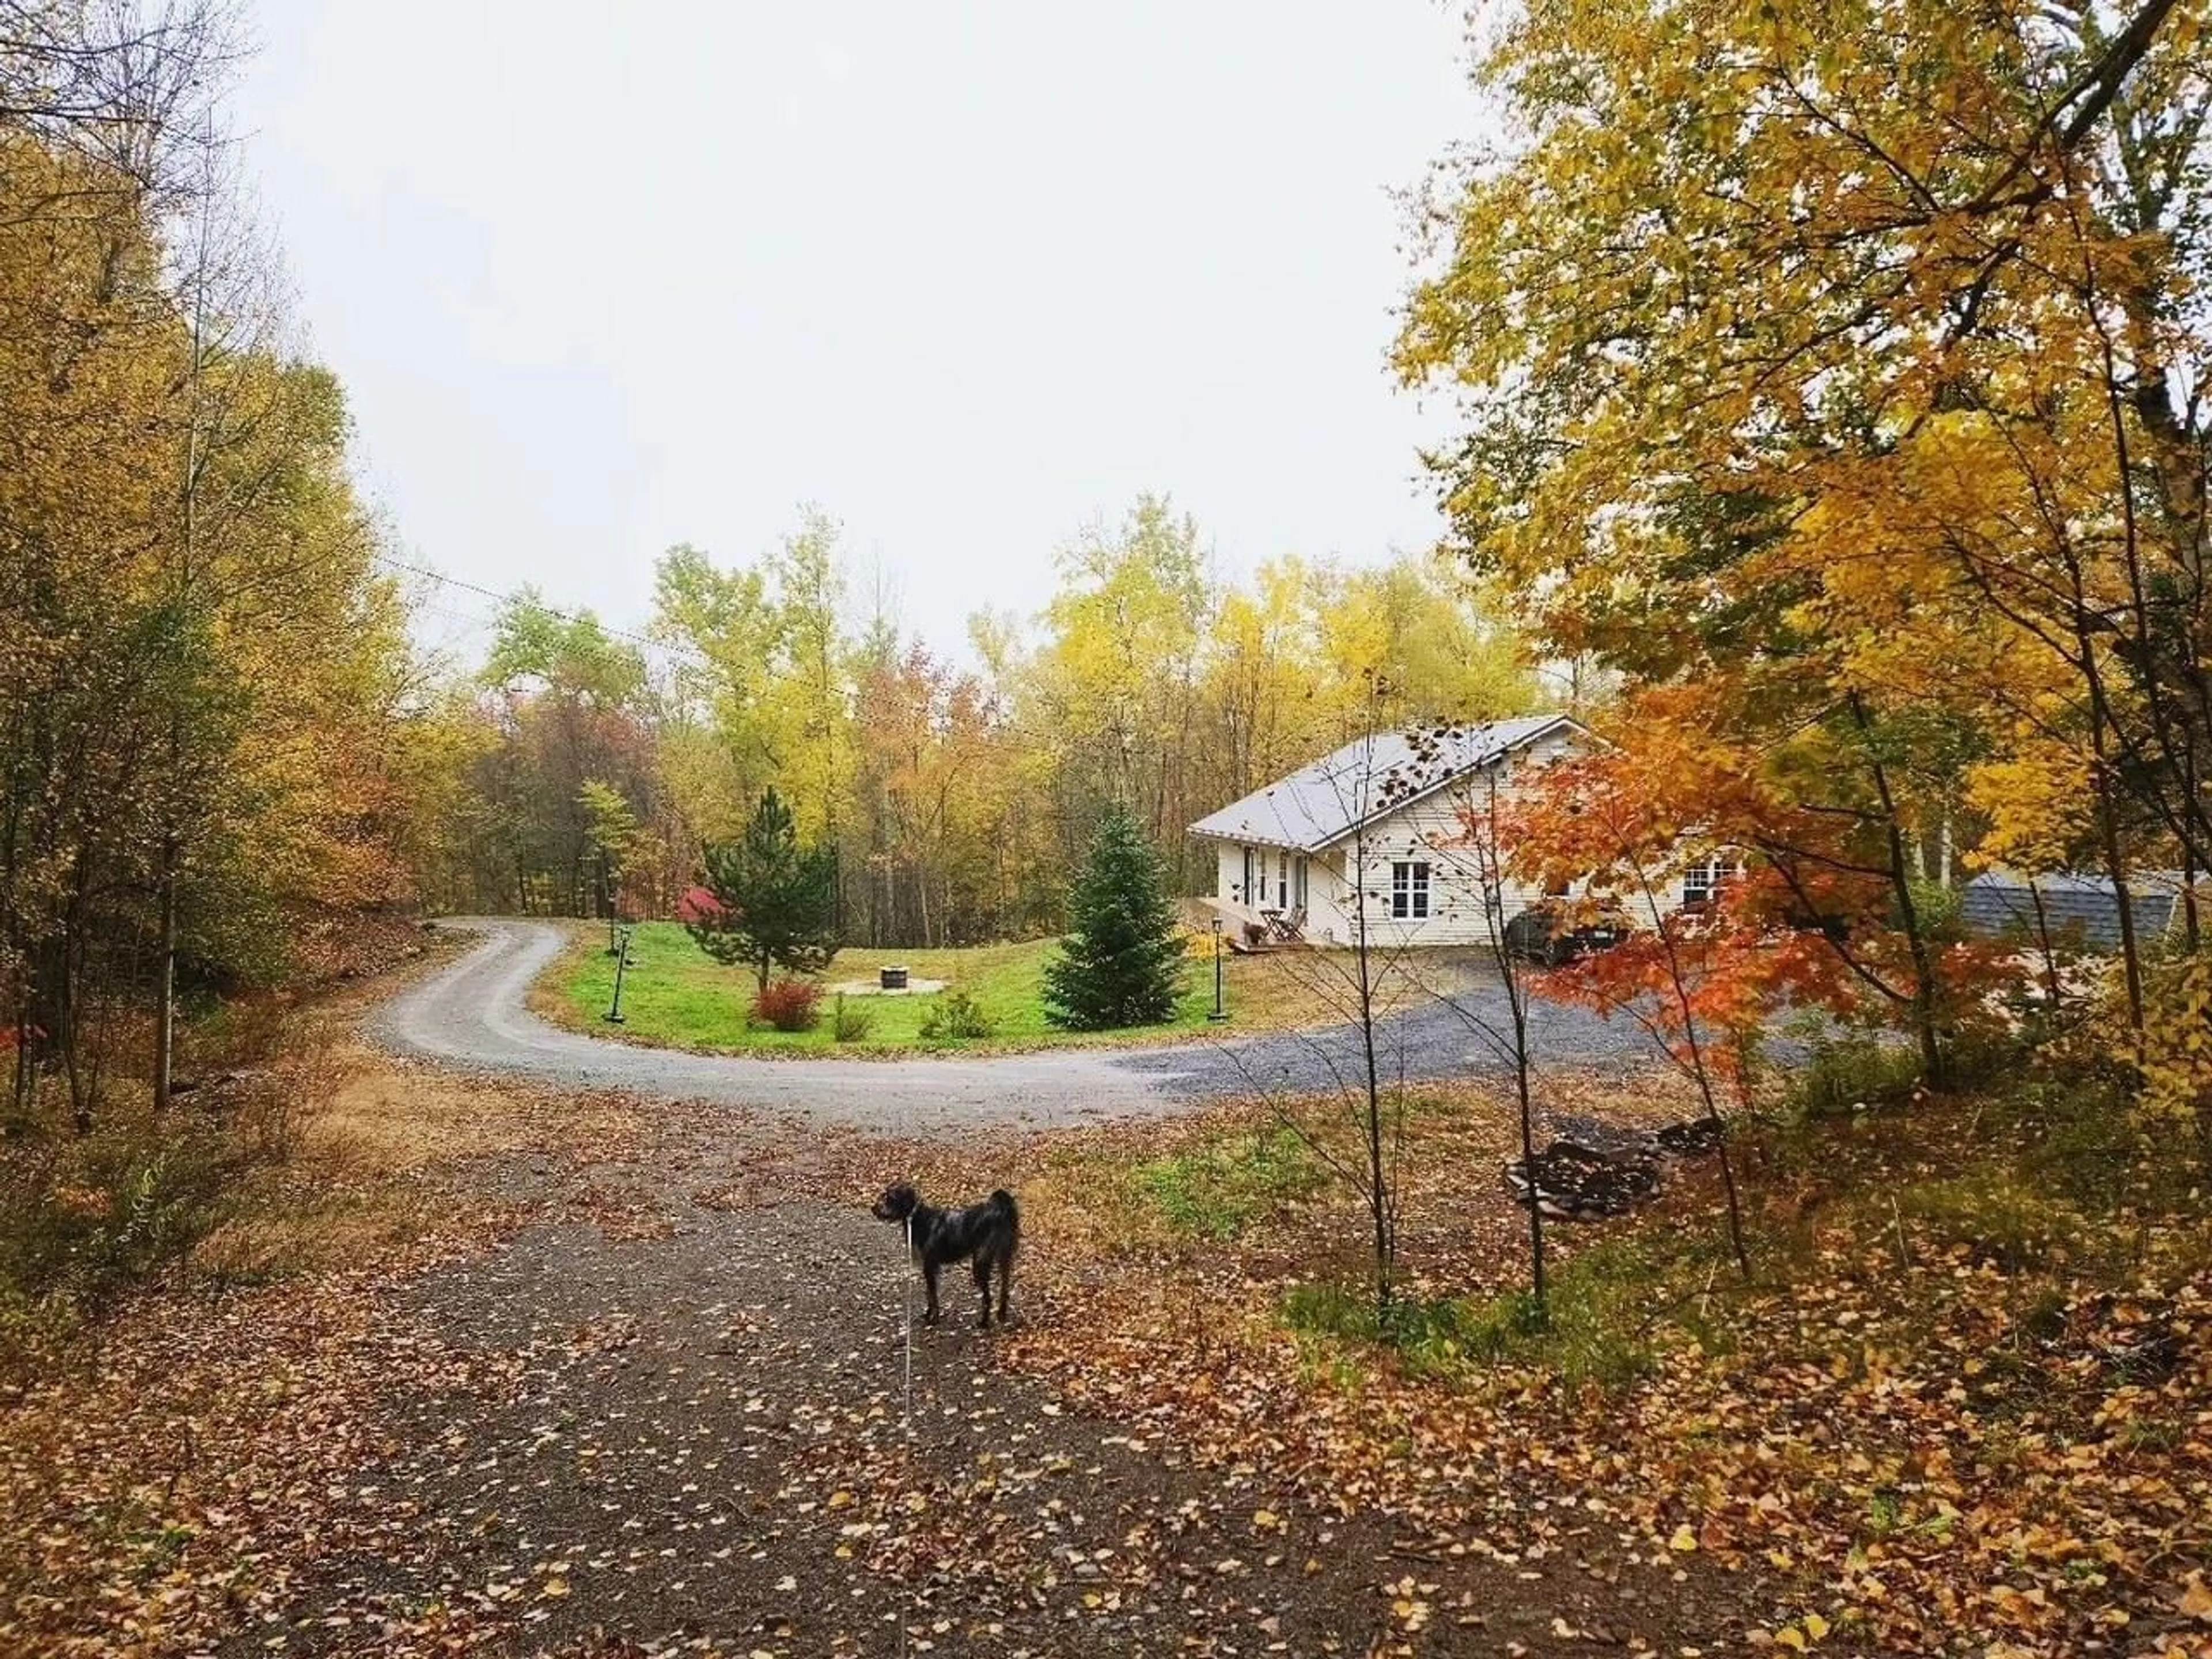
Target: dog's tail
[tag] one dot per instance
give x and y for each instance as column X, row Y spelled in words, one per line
column 1003, row 1202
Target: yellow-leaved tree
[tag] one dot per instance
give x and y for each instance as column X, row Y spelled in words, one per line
column 1846, row 358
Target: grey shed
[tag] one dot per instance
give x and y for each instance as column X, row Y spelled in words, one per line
column 2083, row 911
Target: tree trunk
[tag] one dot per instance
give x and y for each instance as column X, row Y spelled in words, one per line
column 2108, row 835
column 164, row 1008
column 2191, row 926
column 2050, row 952
column 1378, row 1179
column 1933, row 1059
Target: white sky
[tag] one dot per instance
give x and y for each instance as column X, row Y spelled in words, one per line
column 600, row 278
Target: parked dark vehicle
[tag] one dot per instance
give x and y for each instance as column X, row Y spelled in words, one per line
column 1552, row 934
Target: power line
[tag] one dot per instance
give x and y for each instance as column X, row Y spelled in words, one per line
column 643, row 641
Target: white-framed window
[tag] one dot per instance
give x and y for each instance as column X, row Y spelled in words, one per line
column 1409, row 891
column 1704, row 878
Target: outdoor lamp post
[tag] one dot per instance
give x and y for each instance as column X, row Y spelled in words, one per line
column 609, row 897
column 621, row 961
column 1219, row 1012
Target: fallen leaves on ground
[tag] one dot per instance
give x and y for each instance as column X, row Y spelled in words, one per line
column 168, row 1478
column 650, row 1364
column 1883, row 1453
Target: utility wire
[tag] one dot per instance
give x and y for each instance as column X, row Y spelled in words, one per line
column 644, row 640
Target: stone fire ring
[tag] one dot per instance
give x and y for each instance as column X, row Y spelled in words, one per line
column 869, row 988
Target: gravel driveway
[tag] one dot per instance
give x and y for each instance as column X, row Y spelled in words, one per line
column 676, row 1414
column 474, row 1014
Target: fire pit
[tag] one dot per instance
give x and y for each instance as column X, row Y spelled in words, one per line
column 888, row 982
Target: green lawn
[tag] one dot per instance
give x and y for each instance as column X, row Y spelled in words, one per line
column 675, row 994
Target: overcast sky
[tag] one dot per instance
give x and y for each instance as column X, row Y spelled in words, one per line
column 602, row 278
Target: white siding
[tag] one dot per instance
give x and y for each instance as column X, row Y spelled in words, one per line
column 1433, row 830
column 1229, row 875
column 1328, row 910
column 1428, row 832
column 1643, row 913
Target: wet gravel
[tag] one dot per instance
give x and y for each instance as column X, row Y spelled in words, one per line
column 709, row 1437
column 473, row 1014
column 1425, row 1045
column 699, row 1437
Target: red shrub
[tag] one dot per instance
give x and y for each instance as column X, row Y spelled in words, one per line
column 698, row 905
column 789, row 1005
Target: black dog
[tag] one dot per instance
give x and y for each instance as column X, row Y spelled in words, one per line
column 990, row 1232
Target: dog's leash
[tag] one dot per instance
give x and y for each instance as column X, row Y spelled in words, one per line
column 906, row 1280
column 905, row 1414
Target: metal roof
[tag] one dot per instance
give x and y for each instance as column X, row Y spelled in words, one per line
column 1369, row 778
column 2078, row 910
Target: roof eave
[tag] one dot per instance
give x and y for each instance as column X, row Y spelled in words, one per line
column 1250, row 838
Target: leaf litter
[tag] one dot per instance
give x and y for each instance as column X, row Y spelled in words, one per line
column 642, row 1393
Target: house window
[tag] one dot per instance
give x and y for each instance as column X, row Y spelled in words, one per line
column 1282, row 881
column 1299, row 878
column 1247, row 894
column 1704, row 879
column 1409, row 892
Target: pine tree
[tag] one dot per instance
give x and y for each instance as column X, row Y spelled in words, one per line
column 1122, row 962
column 774, row 901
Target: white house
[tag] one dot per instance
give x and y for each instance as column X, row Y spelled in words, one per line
column 1290, row 857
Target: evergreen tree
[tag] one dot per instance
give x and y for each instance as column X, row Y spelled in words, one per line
column 774, row 902
column 1122, row 962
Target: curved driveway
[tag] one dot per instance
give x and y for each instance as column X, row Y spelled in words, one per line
column 473, row 1014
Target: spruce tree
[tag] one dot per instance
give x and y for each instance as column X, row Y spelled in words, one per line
column 774, row 901
column 1121, row 963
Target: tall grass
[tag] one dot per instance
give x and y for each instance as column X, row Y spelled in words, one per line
column 1218, row 1190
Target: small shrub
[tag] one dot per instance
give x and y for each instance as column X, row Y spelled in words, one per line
column 1846, row 1073
column 94, row 1215
column 2084, row 1145
column 2001, row 1224
column 851, row 1022
column 1941, row 910
column 955, row 1016
column 1217, row 1191
column 789, row 1005
column 698, row 907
